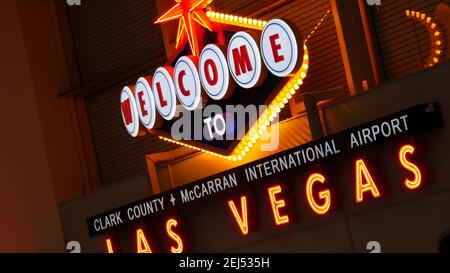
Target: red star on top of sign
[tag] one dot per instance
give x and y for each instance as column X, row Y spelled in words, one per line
column 189, row 12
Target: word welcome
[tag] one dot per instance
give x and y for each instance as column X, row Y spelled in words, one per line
column 211, row 72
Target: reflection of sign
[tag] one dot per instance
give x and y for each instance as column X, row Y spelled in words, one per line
column 318, row 194
column 228, row 67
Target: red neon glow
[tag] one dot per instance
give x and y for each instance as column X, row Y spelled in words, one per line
column 276, row 205
column 142, row 244
column 179, row 242
column 242, row 218
column 188, row 12
column 109, row 246
column 361, row 170
column 241, row 60
column 324, row 195
column 415, row 183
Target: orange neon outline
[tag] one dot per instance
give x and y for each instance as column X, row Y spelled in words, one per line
column 198, row 4
column 324, row 195
column 196, row 16
column 173, row 223
column 242, row 223
column 180, row 32
column 410, row 184
column 142, row 241
column 176, row 16
column 361, row 168
column 276, row 205
column 109, row 246
column 190, row 35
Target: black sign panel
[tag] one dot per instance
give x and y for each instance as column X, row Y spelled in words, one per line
column 414, row 119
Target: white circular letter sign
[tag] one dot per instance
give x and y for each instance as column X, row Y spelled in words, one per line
column 187, row 82
column 244, row 60
column 279, row 48
column 214, row 74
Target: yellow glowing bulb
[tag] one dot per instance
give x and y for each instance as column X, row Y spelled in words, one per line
column 433, row 26
column 438, row 43
column 435, row 60
column 436, row 33
column 428, row 20
column 407, row 12
column 437, row 51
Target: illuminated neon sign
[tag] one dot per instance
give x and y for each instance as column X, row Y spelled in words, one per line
column 225, row 69
column 283, row 182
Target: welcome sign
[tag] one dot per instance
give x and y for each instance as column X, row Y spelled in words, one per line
column 231, row 78
column 298, row 177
